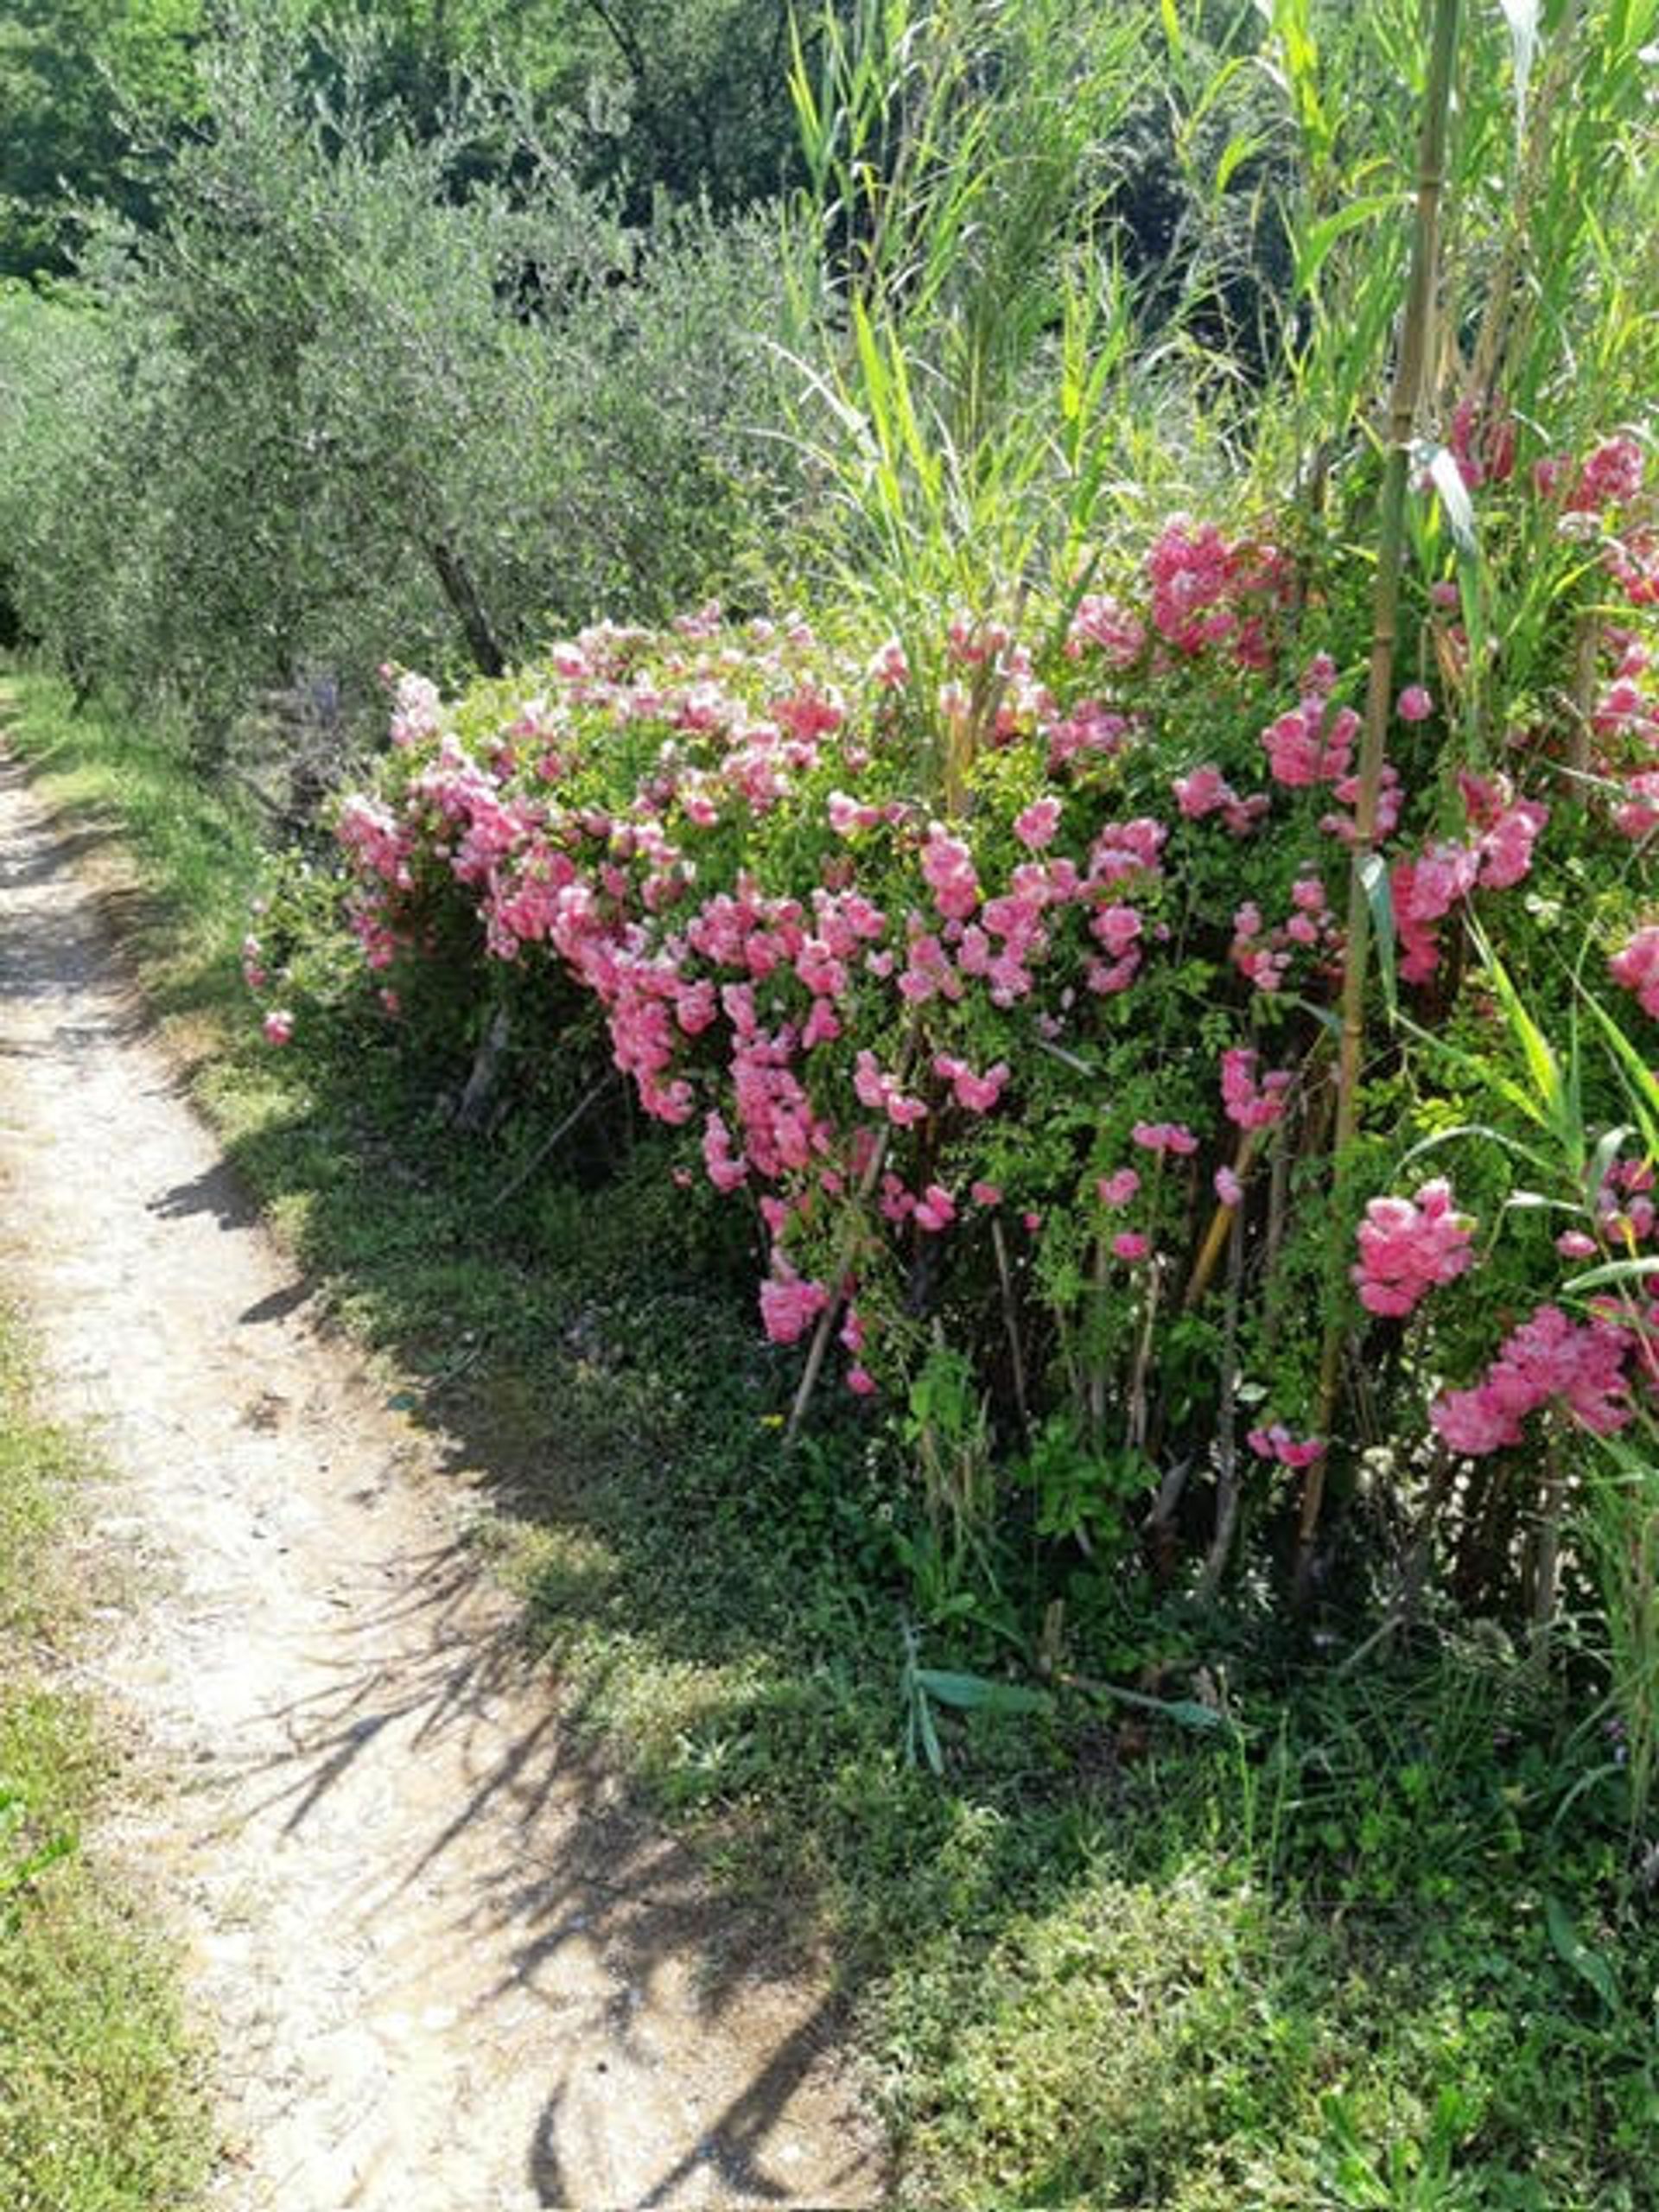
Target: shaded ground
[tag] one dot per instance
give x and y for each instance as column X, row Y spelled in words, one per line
column 447, row 1965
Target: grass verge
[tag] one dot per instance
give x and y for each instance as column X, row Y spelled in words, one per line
column 1374, row 1950
column 100, row 2102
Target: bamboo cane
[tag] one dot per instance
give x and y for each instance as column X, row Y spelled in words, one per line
column 1404, row 401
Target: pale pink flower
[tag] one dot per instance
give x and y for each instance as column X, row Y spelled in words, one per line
column 1250, row 1104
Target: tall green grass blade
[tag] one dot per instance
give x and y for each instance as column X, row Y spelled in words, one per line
column 1572, row 1949
column 1314, row 247
column 1615, row 1272
column 1641, row 1084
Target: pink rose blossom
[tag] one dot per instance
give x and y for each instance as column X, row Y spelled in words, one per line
column 936, row 1209
column 1250, row 1104
column 790, row 1303
column 1409, row 1245
column 1036, row 827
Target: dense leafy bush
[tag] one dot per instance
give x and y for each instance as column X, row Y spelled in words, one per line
column 349, row 397
column 1004, row 1000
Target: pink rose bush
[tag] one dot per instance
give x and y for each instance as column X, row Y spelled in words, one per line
column 1012, row 1049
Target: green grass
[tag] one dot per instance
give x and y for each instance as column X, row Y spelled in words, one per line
column 1375, row 1949
column 100, row 2100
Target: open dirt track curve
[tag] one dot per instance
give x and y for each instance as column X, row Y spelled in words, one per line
column 445, row 1969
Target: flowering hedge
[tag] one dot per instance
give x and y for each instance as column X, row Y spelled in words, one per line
column 994, row 970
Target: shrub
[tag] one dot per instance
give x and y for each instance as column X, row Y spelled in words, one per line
column 1007, row 1005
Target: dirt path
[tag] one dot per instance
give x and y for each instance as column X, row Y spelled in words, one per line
column 446, row 1969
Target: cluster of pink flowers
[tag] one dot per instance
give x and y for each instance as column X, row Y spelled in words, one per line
column 1313, row 742
column 1390, row 797
column 1250, row 1104
column 978, row 1094
column 789, row 1305
column 1632, row 560
column 1266, row 956
column 1624, row 1210
column 1209, row 591
column 1625, row 722
column 1549, row 1360
column 1610, row 476
column 1207, row 791
column 1426, row 888
column 1164, row 1136
column 1483, row 442
column 1103, row 626
column 1409, row 1245
column 1506, row 829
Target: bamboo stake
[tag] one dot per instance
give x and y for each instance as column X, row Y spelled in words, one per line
column 1221, row 1542
column 1404, row 402
column 1546, row 1555
column 1011, row 1324
column 1221, row 1223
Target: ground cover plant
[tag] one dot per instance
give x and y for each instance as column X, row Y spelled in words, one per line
column 100, row 2099
column 1085, row 1079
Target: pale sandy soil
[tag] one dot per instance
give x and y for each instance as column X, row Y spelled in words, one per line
column 444, row 1965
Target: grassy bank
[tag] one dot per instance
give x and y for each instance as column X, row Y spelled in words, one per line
column 100, row 2108
column 1368, row 1947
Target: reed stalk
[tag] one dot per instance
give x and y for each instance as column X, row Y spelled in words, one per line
column 1405, row 401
